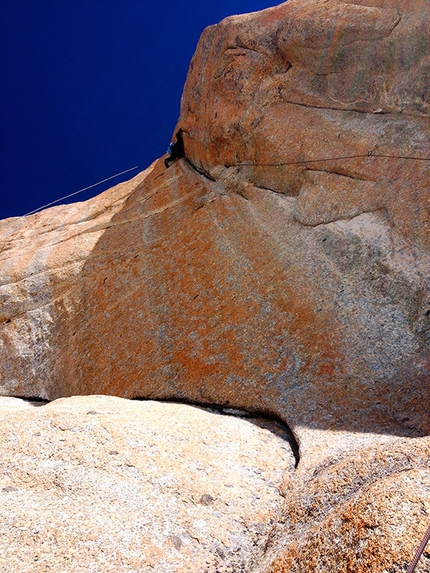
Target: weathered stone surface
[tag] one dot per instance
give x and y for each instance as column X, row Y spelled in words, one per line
column 238, row 279
column 103, row 484
column 310, row 80
column 365, row 512
column 311, row 303
column 189, row 290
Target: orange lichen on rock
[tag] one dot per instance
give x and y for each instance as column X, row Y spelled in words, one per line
column 281, row 267
column 375, row 519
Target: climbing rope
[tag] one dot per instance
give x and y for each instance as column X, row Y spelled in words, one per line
column 80, row 191
column 419, row 552
column 278, row 164
column 361, row 156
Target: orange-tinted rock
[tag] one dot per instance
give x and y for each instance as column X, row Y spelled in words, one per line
column 188, row 290
column 311, row 304
column 238, row 278
column 306, row 81
column 367, row 512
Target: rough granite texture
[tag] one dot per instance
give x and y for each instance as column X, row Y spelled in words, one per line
column 365, row 512
column 103, row 484
column 262, row 272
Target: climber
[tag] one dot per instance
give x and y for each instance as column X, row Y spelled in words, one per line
column 175, row 149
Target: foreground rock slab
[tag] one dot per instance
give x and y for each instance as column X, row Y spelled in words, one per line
column 104, row 484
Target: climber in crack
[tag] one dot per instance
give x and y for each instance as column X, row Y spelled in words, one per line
column 175, row 149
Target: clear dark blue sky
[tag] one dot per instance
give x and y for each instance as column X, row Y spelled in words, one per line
column 90, row 88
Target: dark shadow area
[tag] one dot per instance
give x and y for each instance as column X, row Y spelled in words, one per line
column 33, row 400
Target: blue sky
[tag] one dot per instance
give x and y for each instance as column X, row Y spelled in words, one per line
column 91, row 88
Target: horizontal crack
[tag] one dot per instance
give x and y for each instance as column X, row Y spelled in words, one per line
column 355, row 110
column 335, row 220
column 226, row 410
column 331, row 172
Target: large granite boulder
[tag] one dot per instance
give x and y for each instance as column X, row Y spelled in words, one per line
column 308, row 81
column 282, row 267
column 103, row 484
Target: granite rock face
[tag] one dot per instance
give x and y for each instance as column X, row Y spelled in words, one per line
column 105, row 484
column 364, row 512
column 283, row 267
column 301, row 291
column 172, row 286
column 310, row 80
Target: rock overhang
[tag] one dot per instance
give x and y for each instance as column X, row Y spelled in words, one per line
column 299, row 290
